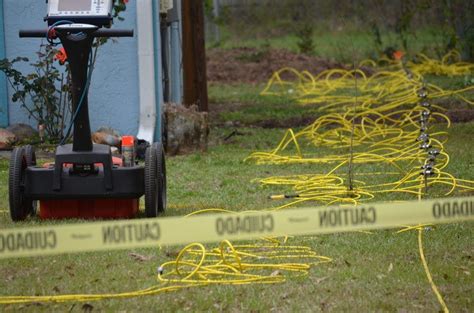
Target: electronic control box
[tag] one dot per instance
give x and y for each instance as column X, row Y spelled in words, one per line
column 94, row 12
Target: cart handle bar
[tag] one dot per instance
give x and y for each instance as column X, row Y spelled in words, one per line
column 41, row 33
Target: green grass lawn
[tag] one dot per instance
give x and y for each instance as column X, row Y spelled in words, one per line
column 379, row 271
column 242, row 103
column 345, row 43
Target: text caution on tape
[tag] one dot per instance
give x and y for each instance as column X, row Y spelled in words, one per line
column 124, row 234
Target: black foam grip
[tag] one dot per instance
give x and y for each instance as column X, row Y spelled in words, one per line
column 33, row 33
column 114, row 33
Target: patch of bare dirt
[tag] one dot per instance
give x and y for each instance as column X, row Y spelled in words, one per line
column 460, row 115
column 256, row 65
column 286, row 123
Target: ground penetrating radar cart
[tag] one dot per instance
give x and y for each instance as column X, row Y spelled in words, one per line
column 85, row 181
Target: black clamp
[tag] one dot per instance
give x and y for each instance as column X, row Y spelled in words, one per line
column 426, row 113
column 423, row 137
column 422, row 93
column 427, row 172
column 434, row 152
column 425, row 146
column 427, row 166
column 425, row 104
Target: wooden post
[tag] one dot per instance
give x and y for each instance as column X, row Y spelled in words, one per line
column 194, row 54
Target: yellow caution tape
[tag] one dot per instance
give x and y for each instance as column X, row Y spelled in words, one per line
column 125, row 234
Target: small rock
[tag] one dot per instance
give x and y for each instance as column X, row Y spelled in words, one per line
column 187, row 129
column 228, row 124
column 107, row 136
column 22, row 131
column 6, row 139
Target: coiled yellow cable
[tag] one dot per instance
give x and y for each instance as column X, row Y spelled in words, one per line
column 383, row 125
column 385, row 132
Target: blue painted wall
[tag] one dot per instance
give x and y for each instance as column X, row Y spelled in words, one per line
column 3, row 81
column 113, row 95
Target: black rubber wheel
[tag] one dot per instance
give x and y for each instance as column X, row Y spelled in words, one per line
column 164, row 132
column 19, row 205
column 31, row 161
column 162, row 178
column 30, row 155
column 155, row 180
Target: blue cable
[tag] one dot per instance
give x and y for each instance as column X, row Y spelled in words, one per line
column 61, row 22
